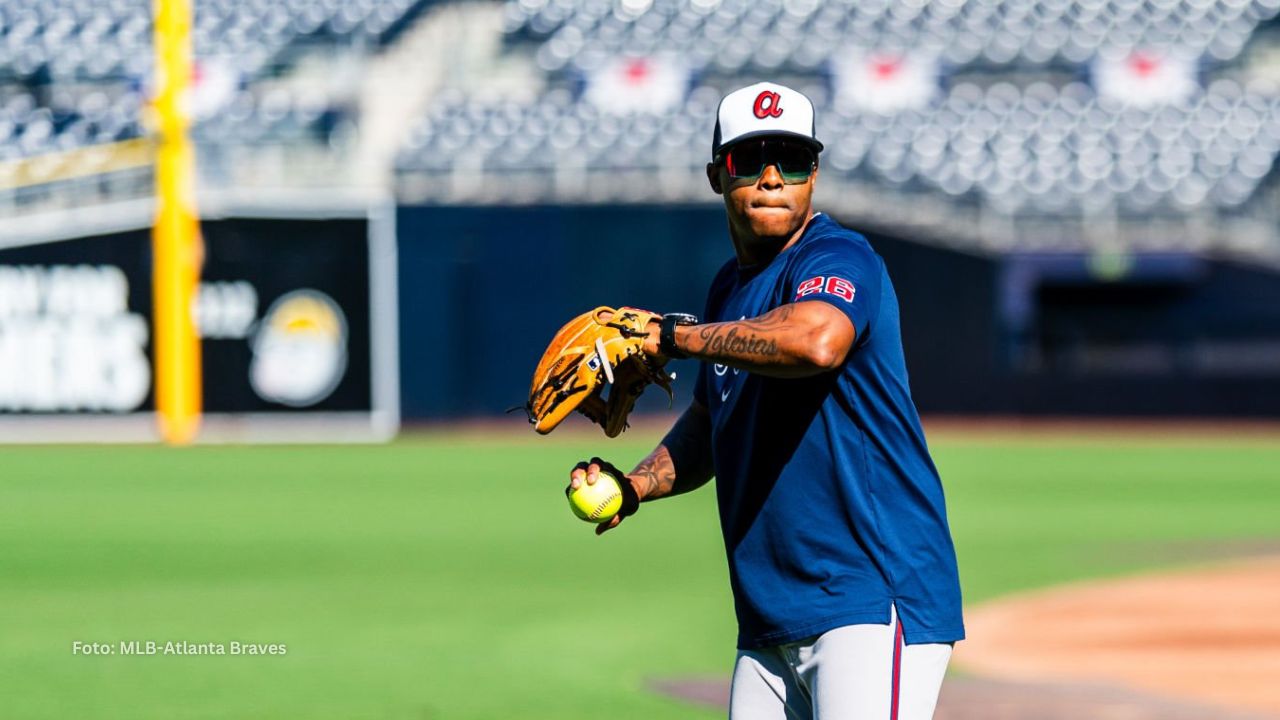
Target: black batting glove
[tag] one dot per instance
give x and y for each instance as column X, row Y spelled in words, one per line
column 630, row 500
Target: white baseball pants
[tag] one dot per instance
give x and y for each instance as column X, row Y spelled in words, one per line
column 855, row 672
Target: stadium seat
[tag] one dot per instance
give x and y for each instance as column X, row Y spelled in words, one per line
column 734, row 36
column 1044, row 148
column 86, row 40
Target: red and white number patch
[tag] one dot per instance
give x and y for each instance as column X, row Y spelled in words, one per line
column 833, row 285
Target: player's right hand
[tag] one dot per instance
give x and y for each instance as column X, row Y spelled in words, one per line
column 588, row 472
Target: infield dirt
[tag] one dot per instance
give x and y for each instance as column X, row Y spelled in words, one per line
column 1207, row 636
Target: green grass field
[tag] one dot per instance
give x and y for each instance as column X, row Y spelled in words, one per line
column 444, row 577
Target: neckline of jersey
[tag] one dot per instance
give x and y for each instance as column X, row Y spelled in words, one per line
column 746, row 272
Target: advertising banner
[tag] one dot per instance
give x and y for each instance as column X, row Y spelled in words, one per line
column 286, row 314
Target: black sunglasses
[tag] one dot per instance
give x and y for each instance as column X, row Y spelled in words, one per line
column 748, row 159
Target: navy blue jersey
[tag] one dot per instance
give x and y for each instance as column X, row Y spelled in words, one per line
column 830, row 505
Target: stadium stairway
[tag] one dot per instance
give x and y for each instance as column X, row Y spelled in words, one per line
column 453, row 45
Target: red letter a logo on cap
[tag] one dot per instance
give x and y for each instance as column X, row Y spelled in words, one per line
column 767, row 105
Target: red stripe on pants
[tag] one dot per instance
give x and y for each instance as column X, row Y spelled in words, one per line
column 897, row 669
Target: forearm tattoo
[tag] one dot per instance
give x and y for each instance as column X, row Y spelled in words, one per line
column 718, row 341
column 751, row 341
column 656, row 473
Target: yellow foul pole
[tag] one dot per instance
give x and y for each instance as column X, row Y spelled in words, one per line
column 176, row 247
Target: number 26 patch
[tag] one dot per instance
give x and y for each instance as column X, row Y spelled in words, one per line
column 833, row 285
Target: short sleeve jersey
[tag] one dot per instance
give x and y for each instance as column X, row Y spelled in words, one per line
column 830, row 505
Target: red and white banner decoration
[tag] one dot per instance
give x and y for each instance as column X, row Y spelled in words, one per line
column 214, row 84
column 1145, row 78
column 884, row 82
column 638, row 85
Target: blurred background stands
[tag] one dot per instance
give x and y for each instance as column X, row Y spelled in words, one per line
column 1028, row 123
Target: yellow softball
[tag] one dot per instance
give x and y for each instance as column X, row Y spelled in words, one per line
column 597, row 503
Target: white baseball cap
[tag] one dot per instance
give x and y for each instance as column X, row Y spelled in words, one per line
column 765, row 108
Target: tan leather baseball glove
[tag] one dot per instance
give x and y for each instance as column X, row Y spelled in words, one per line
column 604, row 347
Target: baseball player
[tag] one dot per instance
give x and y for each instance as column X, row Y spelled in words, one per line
column 840, row 557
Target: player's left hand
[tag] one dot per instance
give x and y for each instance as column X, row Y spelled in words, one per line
column 598, row 348
column 652, row 345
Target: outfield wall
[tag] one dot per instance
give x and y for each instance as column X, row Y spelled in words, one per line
column 295, row 311
column 482, row 290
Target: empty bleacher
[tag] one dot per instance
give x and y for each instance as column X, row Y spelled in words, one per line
column 767, row 36
column 93, row 40
column 1040, row 147
column 1013, row 121
column 1016, row 118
